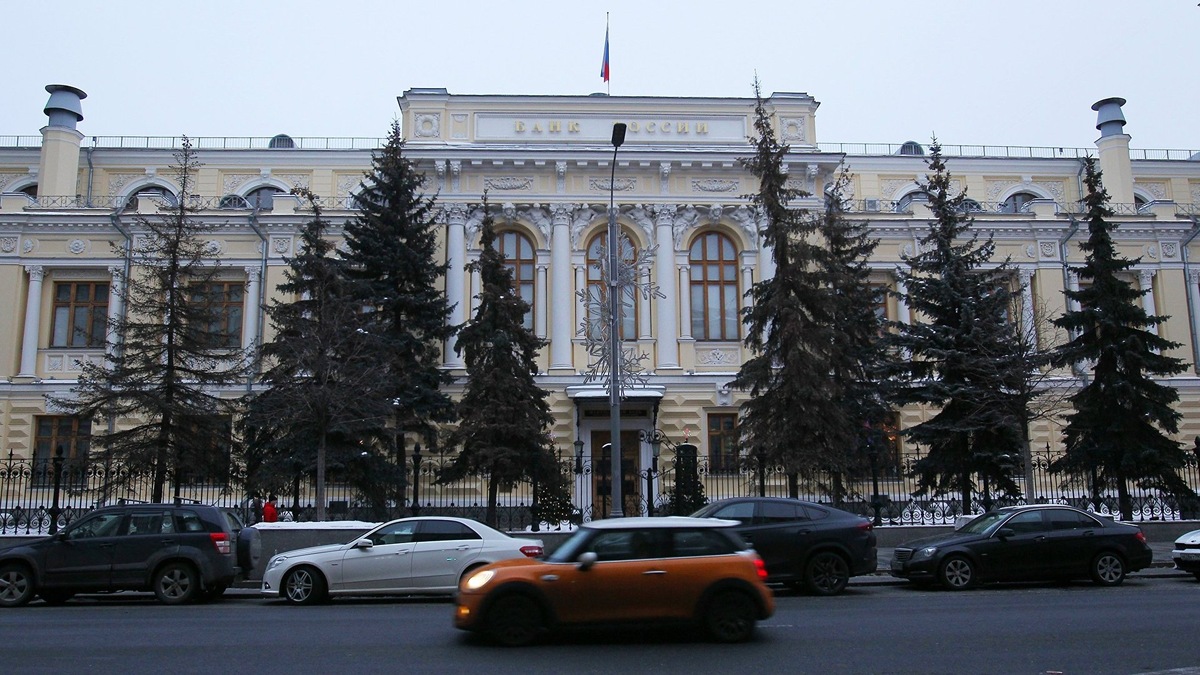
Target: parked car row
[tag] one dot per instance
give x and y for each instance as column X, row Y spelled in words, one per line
column 711, row 569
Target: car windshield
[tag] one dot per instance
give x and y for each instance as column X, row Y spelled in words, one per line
column 984, row 524
column 569, row 550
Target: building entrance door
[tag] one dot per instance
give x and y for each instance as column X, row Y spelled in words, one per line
column 631, row 498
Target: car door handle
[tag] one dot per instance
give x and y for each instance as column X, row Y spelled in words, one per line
column 653, row 572
column 402, row 552
column 1040, row 538
column 464, row 547
column 549, row 577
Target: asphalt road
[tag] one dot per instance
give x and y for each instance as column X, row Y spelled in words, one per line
column 1146, row 625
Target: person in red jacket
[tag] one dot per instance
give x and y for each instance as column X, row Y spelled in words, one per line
column 270, row 512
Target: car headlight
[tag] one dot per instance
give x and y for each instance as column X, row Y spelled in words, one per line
column 276, row 562
column 479, row 580
column 924, row 553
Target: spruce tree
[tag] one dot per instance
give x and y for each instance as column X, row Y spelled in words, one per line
column 859, row 355
column 961, row 355
column 160, row 384
column 324, row 392
column 503, row 431
column 1119, row 430
column 391, row 253
column 793, row 418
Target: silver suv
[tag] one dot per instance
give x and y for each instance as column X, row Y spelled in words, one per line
column 180, row 552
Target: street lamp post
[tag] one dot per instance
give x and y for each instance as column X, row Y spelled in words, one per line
column 655, row 437
column 614, row 330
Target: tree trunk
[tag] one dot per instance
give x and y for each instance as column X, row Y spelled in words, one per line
column 493, row 491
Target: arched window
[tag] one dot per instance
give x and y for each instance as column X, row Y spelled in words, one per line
column 969, row 206
column 1016, row 202
column 234, row 202
column 152, row 191
column 281, row 141
column 263, row 198
column 904, row 204
column 517, row 250
column 714, row 288
column 596, row 252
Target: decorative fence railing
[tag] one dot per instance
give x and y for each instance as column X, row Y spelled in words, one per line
column 42, row 496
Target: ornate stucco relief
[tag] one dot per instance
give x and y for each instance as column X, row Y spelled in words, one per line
column 524, row 183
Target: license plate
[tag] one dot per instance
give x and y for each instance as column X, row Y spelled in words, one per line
column 897, row 565
column 1189, row 556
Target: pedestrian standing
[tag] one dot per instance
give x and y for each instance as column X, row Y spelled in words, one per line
column 270, row 513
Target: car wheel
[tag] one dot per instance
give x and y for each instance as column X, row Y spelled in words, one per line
column 957, row 573
column 176, row 583
column 55, row 597
column 730, row 617
column 16, row 585
column 304, row 586
column 827, row 573
column 1108, row 569
column 514, row 620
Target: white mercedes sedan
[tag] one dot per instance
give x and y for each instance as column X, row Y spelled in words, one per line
column 425, row 555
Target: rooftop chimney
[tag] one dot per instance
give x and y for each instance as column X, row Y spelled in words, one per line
column 1113, row 148
column 58, row 173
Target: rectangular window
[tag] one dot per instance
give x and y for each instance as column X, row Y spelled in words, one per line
column 51, row 432
column 206, row 456
column 724, row 456
column 80, row 315
column 225, row 299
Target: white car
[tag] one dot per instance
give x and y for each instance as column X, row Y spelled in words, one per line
column 1187, row 553
column 425, row 555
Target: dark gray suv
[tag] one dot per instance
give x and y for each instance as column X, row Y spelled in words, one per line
column 181, row 552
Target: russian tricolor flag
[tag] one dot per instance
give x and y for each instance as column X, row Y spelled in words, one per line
column 604, row 66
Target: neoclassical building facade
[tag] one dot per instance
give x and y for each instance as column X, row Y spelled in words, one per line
column 547, row 164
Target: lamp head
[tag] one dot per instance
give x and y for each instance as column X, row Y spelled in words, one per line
column 618, row 136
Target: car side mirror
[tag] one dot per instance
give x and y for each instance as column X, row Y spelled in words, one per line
column 586, row 560
column 364, row 543
column 1005, row 532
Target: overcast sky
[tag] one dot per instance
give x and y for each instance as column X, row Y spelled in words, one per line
column 1017, row 72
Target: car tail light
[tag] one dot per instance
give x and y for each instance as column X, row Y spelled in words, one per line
column 532, row 551
column 1141, row 536
column 221, row 541
column 865, row 526
column 760, row 567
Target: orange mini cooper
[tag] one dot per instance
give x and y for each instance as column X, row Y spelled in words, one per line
column 623, row 570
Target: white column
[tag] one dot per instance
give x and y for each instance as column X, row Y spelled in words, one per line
column 33, row 316
column 456, row 259
column 685, row 302
column 643, row 305
column 766, row 257
column 540, row 307
column 1146, row 278
column 476, row 289
column 251, row 307
column 747, row 283
column 1027, row 321
column 1073, row 285
column 580, row 305
column 560, row 302
column 903, row 315
column 1193, row 289
column 115, row 305
column 668, row 325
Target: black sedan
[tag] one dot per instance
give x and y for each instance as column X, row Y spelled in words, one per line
column 802, row 543
column 1026, row 543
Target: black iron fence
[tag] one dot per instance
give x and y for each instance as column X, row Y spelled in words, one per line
column 43, row 496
